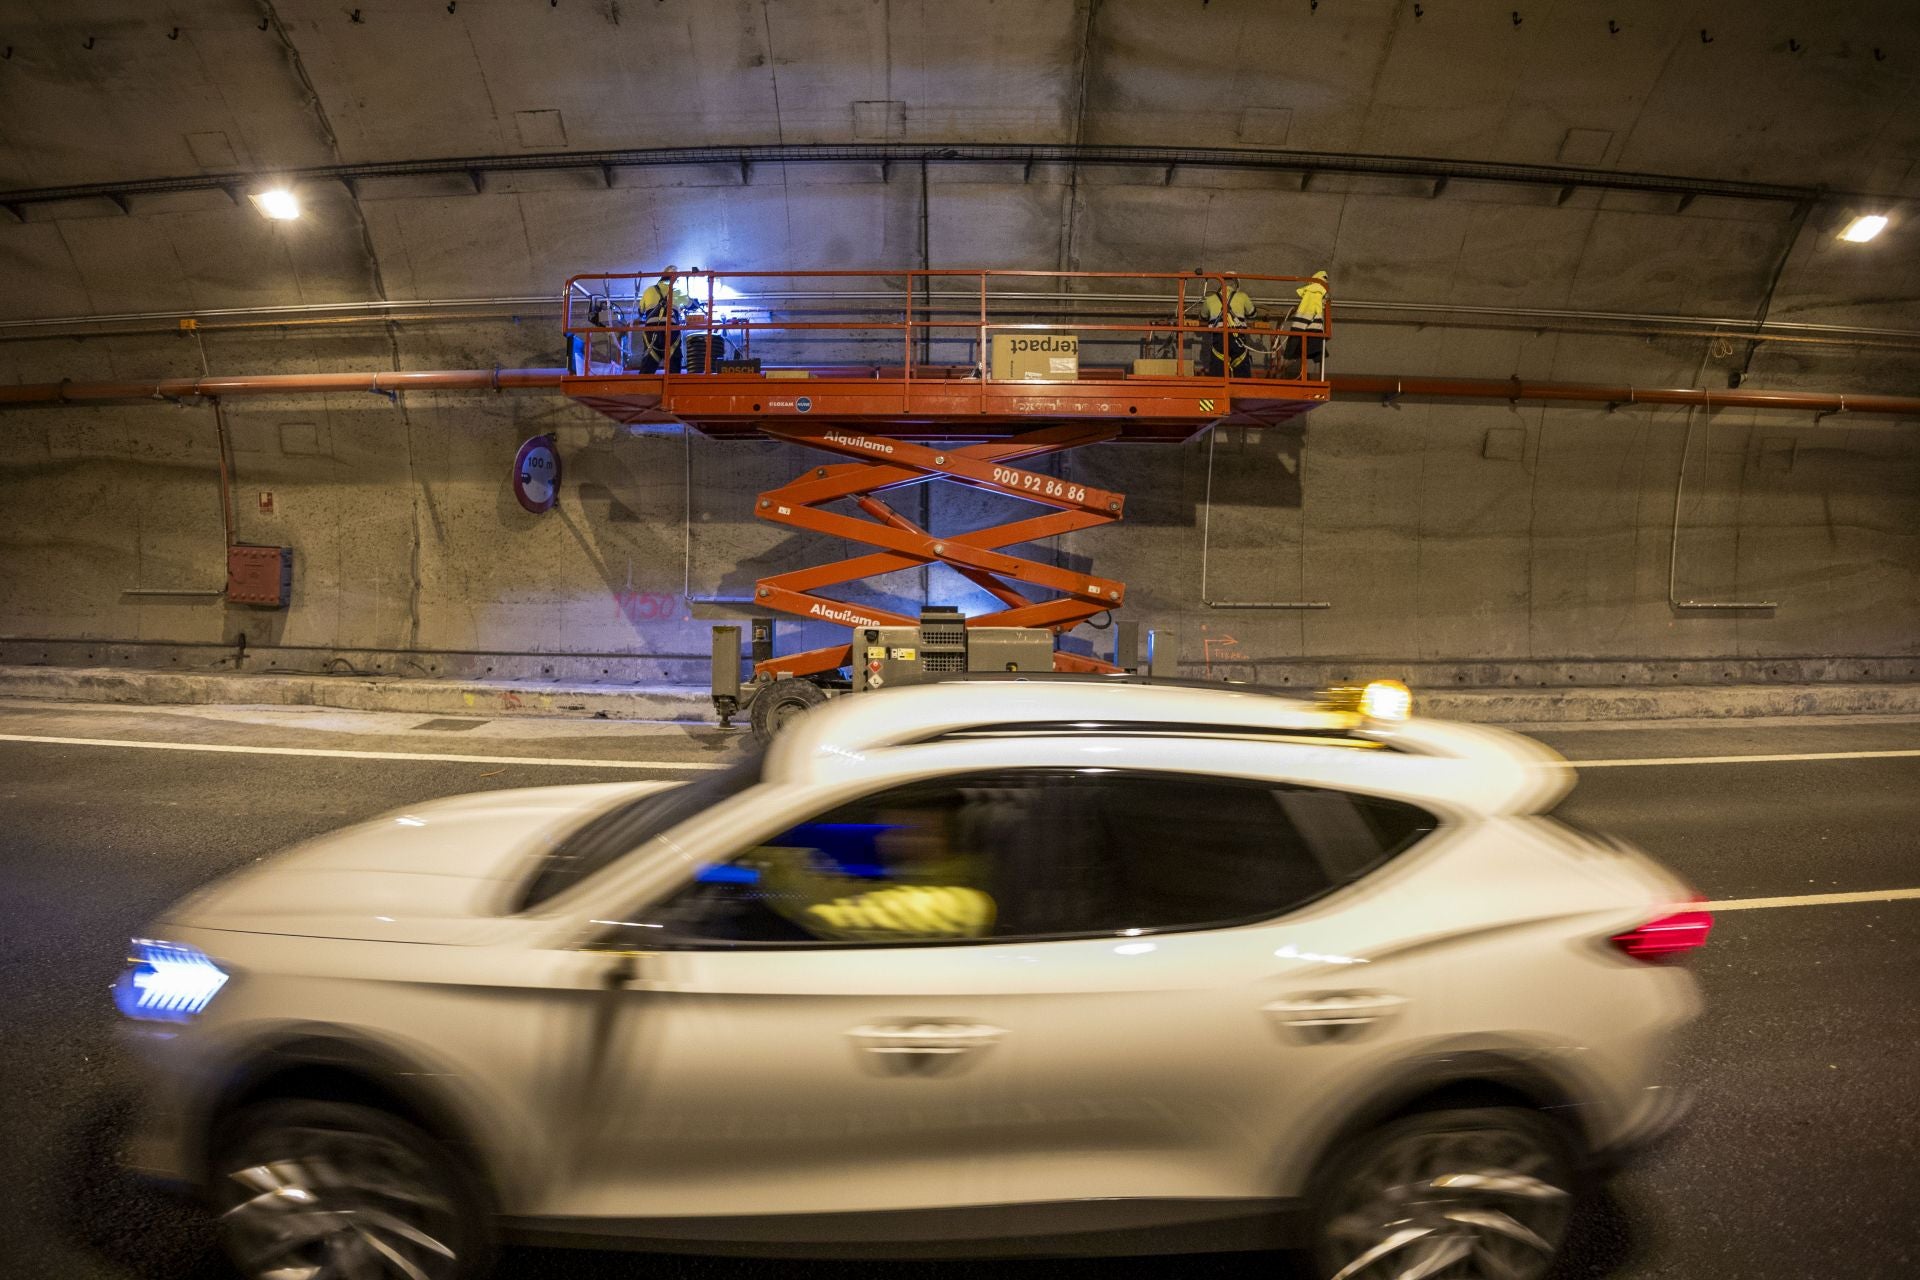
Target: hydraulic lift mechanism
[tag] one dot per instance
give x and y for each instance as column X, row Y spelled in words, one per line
column 1014, row 389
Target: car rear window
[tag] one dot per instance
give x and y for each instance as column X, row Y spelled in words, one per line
column 599, row 843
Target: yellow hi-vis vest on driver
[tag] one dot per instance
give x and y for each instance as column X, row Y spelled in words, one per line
column 820, row 903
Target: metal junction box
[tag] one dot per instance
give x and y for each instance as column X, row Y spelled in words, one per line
column 943, row 645
column 260, row 575
column 1010, row 649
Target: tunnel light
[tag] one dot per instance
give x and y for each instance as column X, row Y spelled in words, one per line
column 1864, row 228
column 277, row 203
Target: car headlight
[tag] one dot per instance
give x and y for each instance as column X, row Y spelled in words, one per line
column 167, row 982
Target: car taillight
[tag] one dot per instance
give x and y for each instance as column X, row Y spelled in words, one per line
column 1666, row 937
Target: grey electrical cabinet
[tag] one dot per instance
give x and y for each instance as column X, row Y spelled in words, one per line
column 1010, row 649
column 943, row 645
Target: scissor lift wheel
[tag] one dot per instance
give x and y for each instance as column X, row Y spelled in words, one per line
column 777, row 703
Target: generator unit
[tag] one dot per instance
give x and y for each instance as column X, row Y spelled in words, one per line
column 939, row 646
column 943, row 645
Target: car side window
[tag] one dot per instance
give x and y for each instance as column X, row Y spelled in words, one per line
column 912, row 864
column 1044, row 853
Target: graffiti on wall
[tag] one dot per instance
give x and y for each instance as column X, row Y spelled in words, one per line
column 650, row 606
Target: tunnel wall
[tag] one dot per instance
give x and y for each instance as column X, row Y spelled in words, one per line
column 1439, row 532
column 1436, row 532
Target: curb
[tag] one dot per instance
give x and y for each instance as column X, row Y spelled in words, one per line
column 491, row 698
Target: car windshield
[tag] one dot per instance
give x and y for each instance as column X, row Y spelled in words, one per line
column 597, row 845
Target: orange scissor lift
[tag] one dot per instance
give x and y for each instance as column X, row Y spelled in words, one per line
column 917, row 376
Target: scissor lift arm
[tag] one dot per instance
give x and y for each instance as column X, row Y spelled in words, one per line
column 976, row 555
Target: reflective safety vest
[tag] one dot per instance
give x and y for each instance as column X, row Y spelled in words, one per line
column 902, row 912
column 1230, row 308
column 1234, row 304
column 660, row 304
column 1311, row 313
column 820, row 903
column 660, row 298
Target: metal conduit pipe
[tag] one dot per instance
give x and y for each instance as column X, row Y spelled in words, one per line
column 1515, row 389
column 69, row 392
column 380, row 312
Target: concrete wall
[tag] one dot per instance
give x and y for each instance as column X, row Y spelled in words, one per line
column 1436, row 532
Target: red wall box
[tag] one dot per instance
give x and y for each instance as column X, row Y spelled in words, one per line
column 260, row 575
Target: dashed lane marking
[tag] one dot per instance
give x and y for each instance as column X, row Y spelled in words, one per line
column 1650, row 761
column 1812, row 899
column 677, row 766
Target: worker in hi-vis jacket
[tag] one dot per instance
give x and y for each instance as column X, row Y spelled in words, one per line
column 1309, row 317
column 1227, row 308
column 660, row 306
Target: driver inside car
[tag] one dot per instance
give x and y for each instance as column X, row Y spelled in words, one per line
column 924, row 890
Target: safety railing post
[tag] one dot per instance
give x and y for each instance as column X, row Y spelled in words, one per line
column 980, row 347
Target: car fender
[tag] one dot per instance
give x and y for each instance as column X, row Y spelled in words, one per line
column 440, row 1098
column 1543, row 1074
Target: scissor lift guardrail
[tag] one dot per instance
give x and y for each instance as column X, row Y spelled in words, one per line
column 885, row 410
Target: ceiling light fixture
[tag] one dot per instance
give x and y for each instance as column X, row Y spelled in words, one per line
column 1864, row 228
column 278, row 203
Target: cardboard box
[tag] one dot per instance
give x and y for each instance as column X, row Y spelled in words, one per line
column 1036, row 357
column 1163, row 368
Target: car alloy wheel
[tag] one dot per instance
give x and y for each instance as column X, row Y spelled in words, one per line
column 329, row 1191
column 1448, row 1195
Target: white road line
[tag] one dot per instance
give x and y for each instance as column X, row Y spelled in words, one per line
column 1773, row 759
column 1812, row 899
column 678, row 766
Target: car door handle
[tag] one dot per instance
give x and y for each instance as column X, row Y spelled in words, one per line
column 925, row 1039
column 1329, row 1015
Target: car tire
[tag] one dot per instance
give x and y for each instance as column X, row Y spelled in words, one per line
column 780, row 702
column 350, row 1191
column 1494, row 1188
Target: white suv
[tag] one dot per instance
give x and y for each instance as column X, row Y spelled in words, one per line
column 991, row 966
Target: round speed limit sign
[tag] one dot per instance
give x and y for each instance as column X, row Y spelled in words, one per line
column 536, row 474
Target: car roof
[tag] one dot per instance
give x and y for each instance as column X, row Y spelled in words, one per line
column 1480, row 768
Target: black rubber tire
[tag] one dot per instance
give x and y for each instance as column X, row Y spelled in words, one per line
column 274, row 1131
column 779, row 702
column 1538, row 1130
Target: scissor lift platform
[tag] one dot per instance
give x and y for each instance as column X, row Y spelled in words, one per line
column 886, row 414
column 943, row 404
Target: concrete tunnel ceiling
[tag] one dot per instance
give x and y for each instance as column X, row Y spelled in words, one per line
column 1688, row 160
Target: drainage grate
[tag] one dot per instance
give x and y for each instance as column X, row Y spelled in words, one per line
column 449, row 725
